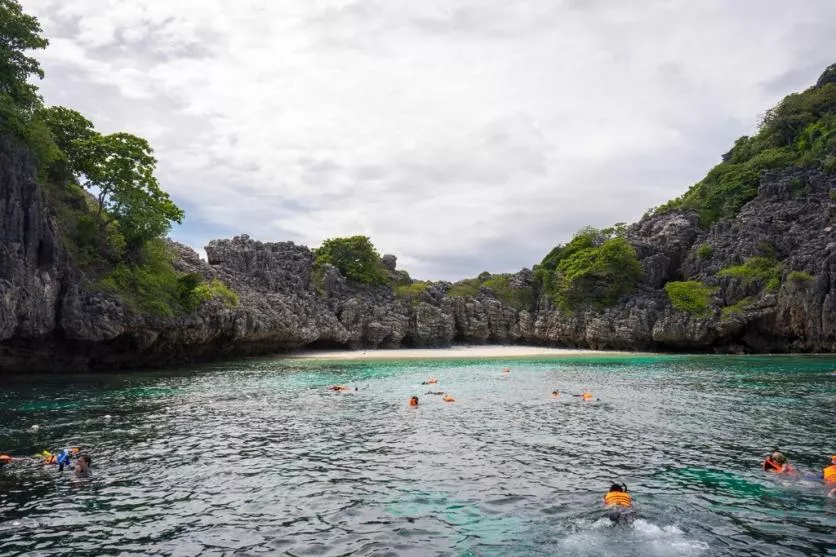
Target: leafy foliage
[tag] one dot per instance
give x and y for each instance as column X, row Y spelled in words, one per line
column 518, row 298
column 691, row 296
column 151, row 285
column 704, row 251
column 355, row 257
column 411, row 292
column 800, row 278
column 738, row 308
column 800, row 131
column 465, row 288
column 19, row 32
column 756, row 270
column 597, row 267
column 115, row 236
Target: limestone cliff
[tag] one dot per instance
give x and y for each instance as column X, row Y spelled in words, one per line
column 52, row 319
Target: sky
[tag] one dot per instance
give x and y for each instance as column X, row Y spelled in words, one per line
column 460, row 135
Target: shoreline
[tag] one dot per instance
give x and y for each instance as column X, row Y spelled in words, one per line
column 453, row 352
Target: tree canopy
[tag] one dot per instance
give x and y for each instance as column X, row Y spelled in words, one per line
column 19, row 33
column 355, row 257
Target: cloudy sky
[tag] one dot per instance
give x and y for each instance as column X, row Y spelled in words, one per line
column 461, row 135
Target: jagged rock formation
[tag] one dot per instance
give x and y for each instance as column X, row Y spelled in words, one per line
column 51, row 320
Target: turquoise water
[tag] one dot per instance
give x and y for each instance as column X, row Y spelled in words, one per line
column 258, row 457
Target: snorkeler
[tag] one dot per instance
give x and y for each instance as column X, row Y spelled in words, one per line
column 620, row 504
column 413, row 401
column 777, row 463
column 62, row 459
column 448, row 398
column 829, row 472
column 82, row 466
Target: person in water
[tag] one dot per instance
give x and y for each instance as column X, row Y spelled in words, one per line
column 340, row 388
column 82, row 466
column 555, row 393
column 620, row 504
column 430, row 381
column 777, row 463
column 448, row 398
column 434, row 392
column 829, row 472
column 413, row 401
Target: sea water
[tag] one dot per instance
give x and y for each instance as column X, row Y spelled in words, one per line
column 259, row 457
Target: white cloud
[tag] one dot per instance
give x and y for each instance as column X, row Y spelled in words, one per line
column 462, row 135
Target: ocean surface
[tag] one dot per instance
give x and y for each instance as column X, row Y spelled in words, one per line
column 259, row 457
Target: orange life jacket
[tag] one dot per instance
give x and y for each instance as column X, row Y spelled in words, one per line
column 771, row 466
column 619, row 498
column 830, row 474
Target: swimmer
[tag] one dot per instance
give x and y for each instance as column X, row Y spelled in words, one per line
column 430, row 381
column 340, row 388
column 4, row 460
column 82, row 466
column 829, row 473
column 555, row 393
column 434, row 392
column 506, row 370
column 587, row 396
column 413, row 401
column 777, row 462
column 448, row 398
column 620, row 504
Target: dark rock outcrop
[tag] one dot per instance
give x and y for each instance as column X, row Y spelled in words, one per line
column 50, row 320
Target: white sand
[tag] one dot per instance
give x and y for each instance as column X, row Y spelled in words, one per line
column 463, row 352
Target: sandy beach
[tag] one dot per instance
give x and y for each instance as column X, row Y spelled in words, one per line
column 453, row 352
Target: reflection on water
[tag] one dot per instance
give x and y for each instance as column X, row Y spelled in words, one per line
column 259, row 457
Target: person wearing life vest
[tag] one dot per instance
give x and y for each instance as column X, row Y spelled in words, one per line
column 829, row 473
column 62, row 458
column 617, row 496
column 777, row 463
column 620, row 504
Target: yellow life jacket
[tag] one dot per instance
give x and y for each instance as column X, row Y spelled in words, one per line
column 830, row 474
column 619, row 498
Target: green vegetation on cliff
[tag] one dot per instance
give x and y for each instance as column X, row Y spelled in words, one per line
column 356, row 258
column 800, row 131
column 596, row 268
column 691, row 296
column 112, row 214
column 764, row 271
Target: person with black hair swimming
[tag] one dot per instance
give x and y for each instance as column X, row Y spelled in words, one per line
column 82, row 466
column 620, row 504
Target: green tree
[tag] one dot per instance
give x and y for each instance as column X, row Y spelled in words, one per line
column 355, row 257
column 19, row 32
column 119, row 168
column 69, row 131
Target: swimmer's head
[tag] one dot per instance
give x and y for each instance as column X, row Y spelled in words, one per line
column 779, row 457
column 833, row 459
column 413, row 401
column 618, row 487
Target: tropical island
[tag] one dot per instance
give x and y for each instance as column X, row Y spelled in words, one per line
column 744, row 261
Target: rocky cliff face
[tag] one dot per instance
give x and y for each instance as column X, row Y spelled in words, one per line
column 50, row 321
